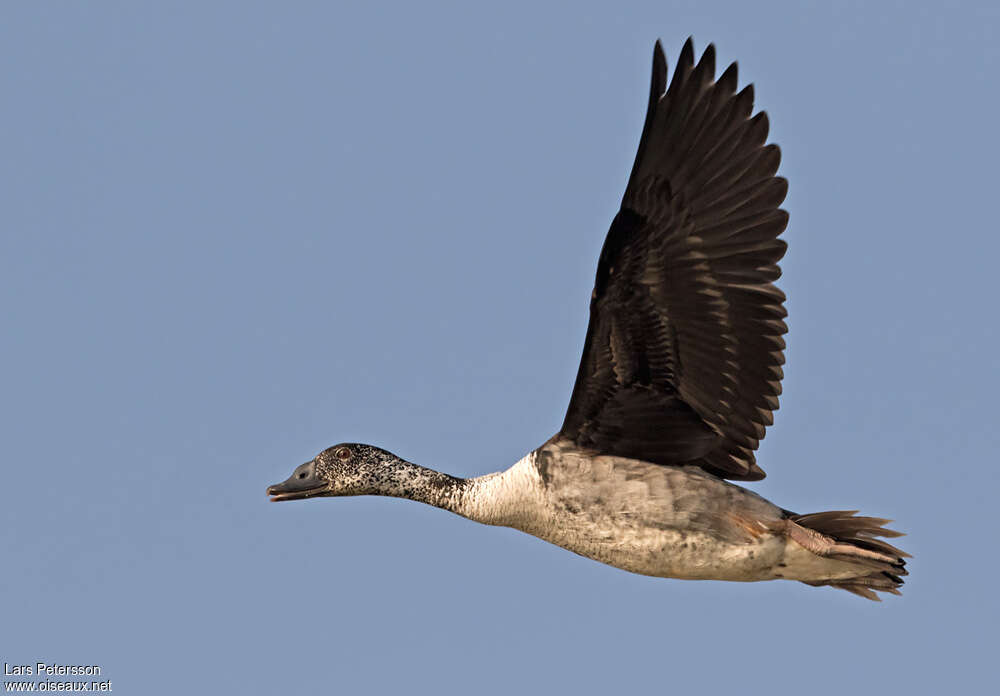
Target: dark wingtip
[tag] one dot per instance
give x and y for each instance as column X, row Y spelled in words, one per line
column 659, row 81
column 707, row 62
column 730, row 77
column 685, row 64
column 687, row 53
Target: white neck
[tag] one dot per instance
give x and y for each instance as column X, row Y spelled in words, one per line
column 501, row 498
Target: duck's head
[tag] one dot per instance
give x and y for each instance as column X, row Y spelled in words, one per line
column 344, row 469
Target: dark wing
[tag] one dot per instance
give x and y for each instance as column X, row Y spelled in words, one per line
column 682, row 361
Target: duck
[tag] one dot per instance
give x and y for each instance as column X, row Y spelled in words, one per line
column 679, row 379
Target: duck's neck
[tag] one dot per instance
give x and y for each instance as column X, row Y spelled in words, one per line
column 407, row 480
column 491, row 499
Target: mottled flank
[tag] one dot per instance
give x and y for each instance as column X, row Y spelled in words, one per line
column 680, row 376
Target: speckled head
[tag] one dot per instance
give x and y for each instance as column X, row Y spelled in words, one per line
column 345, row 469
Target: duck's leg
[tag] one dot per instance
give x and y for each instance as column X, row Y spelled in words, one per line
column 840, row 550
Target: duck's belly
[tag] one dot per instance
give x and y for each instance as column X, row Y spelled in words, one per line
column 672, row 553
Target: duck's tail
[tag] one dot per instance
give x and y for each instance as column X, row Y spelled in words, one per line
column 841, row 536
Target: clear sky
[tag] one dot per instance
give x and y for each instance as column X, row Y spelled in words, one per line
column 235, row 233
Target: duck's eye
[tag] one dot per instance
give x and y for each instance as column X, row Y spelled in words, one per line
column 302, row 474
column 342, row 453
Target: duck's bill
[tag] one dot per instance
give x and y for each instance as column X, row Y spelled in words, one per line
column 303, row 483
column 282, row 491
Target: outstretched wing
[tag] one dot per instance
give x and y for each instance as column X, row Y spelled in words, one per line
column 682, row 361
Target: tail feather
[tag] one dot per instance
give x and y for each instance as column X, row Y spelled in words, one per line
column 853, row 539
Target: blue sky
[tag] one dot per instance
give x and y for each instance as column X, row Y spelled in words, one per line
column 234, row 233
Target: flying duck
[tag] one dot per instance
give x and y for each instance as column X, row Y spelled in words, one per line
column 680, row 375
